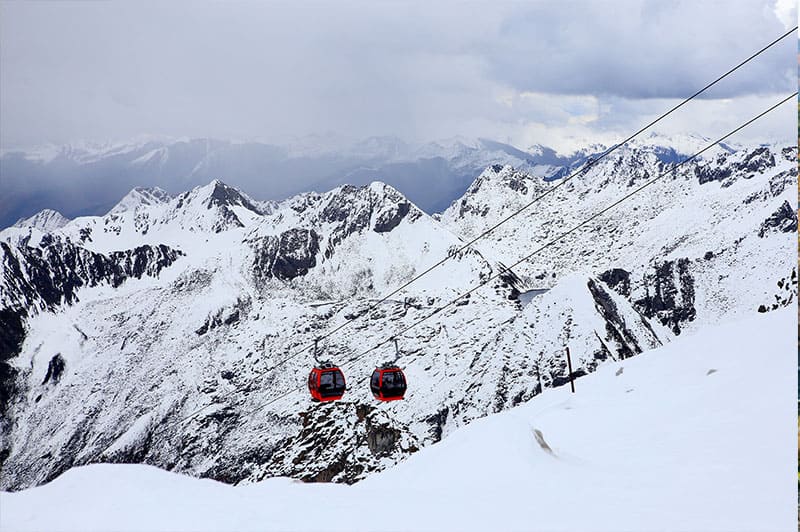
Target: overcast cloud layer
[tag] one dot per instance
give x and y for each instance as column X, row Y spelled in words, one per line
column 557, row 73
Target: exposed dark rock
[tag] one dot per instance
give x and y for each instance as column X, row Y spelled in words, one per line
column 382, row 439
column 708, row 173
column 224, row 196
column 787, row 293
column 133, row 453
column 757, row 161
column 145, row 260
column 8, row 387
column 509, row 281
column 234, row 469
column 517, row 183
column 351, row 209
column 55, row 271
column 779, row 182
column 290, row 255
column 231, row 318
column 296, row 253
column 12, row 333
column 227, row 219
column 327, row 474
column 669, row 294
column 86, row 234
column 55, row 369
column 783, row 220
column 68, row 454
column 618, row 280
column 465, row 207
column 391, row 218
column 437, row 423
column 310, row 455
column 4, row 454
column 44, row 277
column 616, row 328
column 340, row 205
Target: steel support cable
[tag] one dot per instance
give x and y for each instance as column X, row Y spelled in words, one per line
column 537, row 251
column 589, row 164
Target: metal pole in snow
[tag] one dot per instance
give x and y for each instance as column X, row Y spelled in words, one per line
column 569, row 366
column 539, row 376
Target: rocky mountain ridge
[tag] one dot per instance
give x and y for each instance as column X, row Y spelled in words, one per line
column 169, row 304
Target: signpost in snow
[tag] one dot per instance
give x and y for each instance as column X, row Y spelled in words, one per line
column 569, row 367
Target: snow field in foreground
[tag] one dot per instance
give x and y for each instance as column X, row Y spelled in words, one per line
column 697, row 435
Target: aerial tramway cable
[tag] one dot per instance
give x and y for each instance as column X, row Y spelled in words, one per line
column 504, row 270
column 543, row 247
column 589, row 164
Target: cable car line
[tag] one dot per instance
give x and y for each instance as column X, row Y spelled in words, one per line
column 529, row 204
column 538, row 250
column 575, row 228
column 538, row 198
column 584, row 168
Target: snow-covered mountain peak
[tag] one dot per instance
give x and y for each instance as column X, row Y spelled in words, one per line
column 219, row 194
column 215, row 207
column 498, row 175
column 140, row 196
column 45, row 220
column 350, row 202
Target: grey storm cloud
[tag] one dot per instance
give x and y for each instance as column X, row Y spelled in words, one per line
column 641, row 49
column 111, row 70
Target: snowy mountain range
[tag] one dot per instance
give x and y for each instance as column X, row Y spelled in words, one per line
column 88, row 179
column 116, row 328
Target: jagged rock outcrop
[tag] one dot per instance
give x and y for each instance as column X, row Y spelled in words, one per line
column 291, row 254
column 665, row 291
column 667, row 294
column 43, row 277
column 695, row 231
column 337, row 442
column 783, row 220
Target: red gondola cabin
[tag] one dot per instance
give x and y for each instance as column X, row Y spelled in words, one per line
column 388, row 383
column 326, row 383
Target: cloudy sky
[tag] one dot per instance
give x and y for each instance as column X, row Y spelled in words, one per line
column 556, row 72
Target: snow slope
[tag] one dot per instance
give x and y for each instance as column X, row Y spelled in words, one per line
column 46, row 220
column 684, row 437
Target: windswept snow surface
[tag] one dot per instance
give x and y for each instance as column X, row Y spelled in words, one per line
column 685, row 437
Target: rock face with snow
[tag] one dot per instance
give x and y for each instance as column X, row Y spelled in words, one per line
column 118, row 330
column 684, row 251
column 648, row 444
